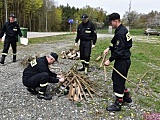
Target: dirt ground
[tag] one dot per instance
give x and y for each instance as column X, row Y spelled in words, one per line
column 16, row 103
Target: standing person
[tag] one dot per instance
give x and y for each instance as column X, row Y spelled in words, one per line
column 12, row 30
column 120, row 54
column 86, row 32
column 38, row 74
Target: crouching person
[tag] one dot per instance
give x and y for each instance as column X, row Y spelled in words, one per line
column 38, row 74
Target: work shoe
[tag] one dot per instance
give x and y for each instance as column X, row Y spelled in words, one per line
column 81, row 69
column 44, row 96
column 116, row 106
column 126, row 97
column 32, row 90
column 2, row 60
column 14, row 60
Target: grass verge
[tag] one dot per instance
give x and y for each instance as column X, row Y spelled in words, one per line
column 144, row 71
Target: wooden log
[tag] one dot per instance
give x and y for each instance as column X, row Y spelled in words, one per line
column 81, row 88
column 79, row 93
column 71, row 92
column 66, row 86
column 76, row 98
column 103, row 60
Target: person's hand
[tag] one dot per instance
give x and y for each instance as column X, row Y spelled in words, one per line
column 59, row 76
column 1, row 39
column 107, row 63
column 76, row 44
column 93, row 46
column 106, row 51
column 61, row 79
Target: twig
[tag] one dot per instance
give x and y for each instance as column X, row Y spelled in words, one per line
column 102, row 63
column 53, row 67
column 66, row 86
column 86, row 85
column 140, row 81
column 129, row 80
column 81, row 88
column 99, row 57
column 105, row 74
column 103, row 60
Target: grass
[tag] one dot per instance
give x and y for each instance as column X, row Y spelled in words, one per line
column 49, row 39
column 137, row 31
column 132, row 31
column 145, row 59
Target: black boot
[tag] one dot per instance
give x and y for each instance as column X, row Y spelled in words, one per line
column 44, row 96
column 82, row 68
column 32, row 90
column 14, row 58
column 126, row 97
column 2, row 59
column 42, row 93
column 116, row 106
column 86, row 69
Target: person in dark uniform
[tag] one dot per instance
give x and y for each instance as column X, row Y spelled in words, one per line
column 86, row 32
column 120, row 54
column 37, row 74
column 12, row 30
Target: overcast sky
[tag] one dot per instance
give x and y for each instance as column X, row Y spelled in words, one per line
column 120, row 6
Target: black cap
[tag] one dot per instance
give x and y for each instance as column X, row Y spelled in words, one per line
column 113, row 16
column 84, row 16
column 12, row 15
column 55, row 56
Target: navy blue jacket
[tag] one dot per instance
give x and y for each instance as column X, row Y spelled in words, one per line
column 11, row 30
column 86, row 31
column 36, row 66
column 121, row 44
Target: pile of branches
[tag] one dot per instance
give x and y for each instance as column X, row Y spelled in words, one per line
column 27, row 59
column 70, row 54
column 79, row 86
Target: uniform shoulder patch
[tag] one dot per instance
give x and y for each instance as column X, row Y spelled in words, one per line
column 128, row 36
column 33, row 62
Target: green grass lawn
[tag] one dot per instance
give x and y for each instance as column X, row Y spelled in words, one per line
column 145, row 62
column 132, row 31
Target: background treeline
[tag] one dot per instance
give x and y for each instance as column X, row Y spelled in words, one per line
column 45, row 15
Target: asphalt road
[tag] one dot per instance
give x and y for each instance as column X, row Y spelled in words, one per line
column 44, row 34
